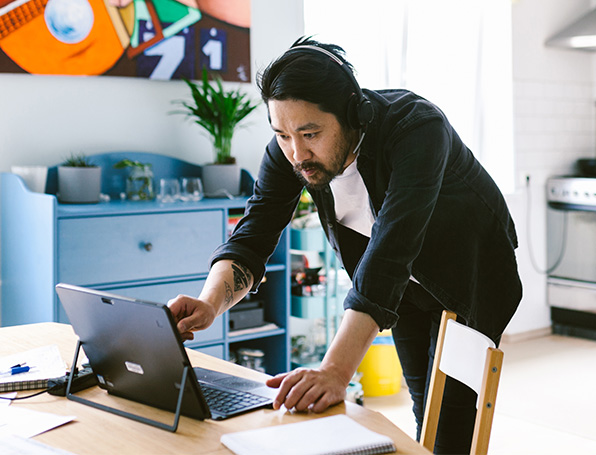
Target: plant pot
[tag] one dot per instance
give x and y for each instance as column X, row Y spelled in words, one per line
column 79, row 185
column 221, row 180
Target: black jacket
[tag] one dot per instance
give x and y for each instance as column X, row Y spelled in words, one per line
column 438, row 217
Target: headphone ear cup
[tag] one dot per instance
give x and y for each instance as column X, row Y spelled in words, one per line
column 360, row 112
column 366, row 112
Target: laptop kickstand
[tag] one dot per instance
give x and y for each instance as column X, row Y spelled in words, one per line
column 138, row 418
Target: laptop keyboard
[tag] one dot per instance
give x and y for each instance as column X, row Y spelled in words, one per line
column 229, row 401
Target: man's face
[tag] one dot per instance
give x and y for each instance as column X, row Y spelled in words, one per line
column 313, row 141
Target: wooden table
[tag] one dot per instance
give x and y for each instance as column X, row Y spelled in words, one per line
column 98, row 432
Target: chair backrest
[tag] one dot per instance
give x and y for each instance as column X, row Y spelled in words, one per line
column 470, row 357
column 464, row 354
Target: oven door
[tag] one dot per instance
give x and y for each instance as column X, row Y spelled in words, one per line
column 571, row 244
column 571, row 282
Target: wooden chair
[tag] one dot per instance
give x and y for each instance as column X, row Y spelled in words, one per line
column 470, row 357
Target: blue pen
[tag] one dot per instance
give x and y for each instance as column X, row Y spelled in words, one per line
column 17, row 369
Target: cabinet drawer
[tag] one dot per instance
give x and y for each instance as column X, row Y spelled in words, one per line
column 115, row 249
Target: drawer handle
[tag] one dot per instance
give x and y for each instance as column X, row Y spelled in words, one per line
column 147, row 246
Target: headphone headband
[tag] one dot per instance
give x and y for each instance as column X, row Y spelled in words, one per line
column 331, row 55
column 360, row 112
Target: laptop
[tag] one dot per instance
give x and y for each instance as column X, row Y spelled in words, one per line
column 136, row 352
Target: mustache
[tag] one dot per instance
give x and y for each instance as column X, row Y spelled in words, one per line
column 308, row 166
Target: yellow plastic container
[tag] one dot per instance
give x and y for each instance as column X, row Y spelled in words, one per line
column 380, row 367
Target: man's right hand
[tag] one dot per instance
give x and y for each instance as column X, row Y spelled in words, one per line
column 227, row 283
column 191, row 314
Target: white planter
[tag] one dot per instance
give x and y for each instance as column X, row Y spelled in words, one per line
column 79, row 185
column 221, row 180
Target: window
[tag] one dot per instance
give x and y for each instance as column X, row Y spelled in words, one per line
column 455, row 53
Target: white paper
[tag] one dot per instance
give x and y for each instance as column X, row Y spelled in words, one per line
column 14, row 445
column 5, row 403
column 16, row 421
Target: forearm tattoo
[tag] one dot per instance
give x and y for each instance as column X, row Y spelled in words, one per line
column 242, row 276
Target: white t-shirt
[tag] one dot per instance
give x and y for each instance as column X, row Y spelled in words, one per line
column 352, row 206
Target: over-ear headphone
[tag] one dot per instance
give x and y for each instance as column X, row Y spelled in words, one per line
column 360, row 109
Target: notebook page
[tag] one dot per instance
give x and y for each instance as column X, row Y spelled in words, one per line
column 332, row 435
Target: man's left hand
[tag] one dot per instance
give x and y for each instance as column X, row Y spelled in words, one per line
column 308, row 389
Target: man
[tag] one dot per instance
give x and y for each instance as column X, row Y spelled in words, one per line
column 416, row 221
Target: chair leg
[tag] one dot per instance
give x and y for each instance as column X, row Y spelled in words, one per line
column 433, row 410
column 436, row 388
column 486, row 402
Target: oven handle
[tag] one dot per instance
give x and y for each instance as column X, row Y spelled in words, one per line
column 572, row 283
column 566, row 206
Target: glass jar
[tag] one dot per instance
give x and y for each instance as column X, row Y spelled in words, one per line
column 251, row 358
column 139, row 183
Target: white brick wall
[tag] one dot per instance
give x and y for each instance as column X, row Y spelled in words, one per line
column 554, row 125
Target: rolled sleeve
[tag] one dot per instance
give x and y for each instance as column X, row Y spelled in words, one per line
column 384, row 317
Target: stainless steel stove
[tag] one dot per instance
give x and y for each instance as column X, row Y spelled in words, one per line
column 571, row 254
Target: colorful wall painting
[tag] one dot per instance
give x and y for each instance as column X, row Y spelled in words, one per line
column 156, row 39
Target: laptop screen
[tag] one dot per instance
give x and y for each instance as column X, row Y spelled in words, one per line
column 134, row 348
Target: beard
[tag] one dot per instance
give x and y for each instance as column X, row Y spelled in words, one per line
column 324, row 174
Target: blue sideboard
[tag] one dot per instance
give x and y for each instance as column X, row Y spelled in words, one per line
column 147, row 250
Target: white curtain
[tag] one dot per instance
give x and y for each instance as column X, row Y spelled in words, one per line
column 455, row 53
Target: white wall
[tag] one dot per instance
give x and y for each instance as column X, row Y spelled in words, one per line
column 43, row 119
column 554, row 126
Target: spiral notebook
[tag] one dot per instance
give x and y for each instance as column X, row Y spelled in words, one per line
column 45, row 363
column 334, row 435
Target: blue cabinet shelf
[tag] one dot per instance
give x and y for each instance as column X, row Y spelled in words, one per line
column 146, row 249
column 326, row 306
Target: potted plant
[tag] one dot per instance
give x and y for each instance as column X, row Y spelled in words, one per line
column 218, row 112
column 79, row 180
column 139, row 183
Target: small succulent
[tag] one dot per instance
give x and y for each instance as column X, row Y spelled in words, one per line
column 78, row 160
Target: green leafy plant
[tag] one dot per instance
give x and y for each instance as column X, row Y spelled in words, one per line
column 122, row 164
column 139, row 183
column 218, row 112
column 78, row 160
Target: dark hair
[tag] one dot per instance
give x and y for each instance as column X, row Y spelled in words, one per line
column 310, row 77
